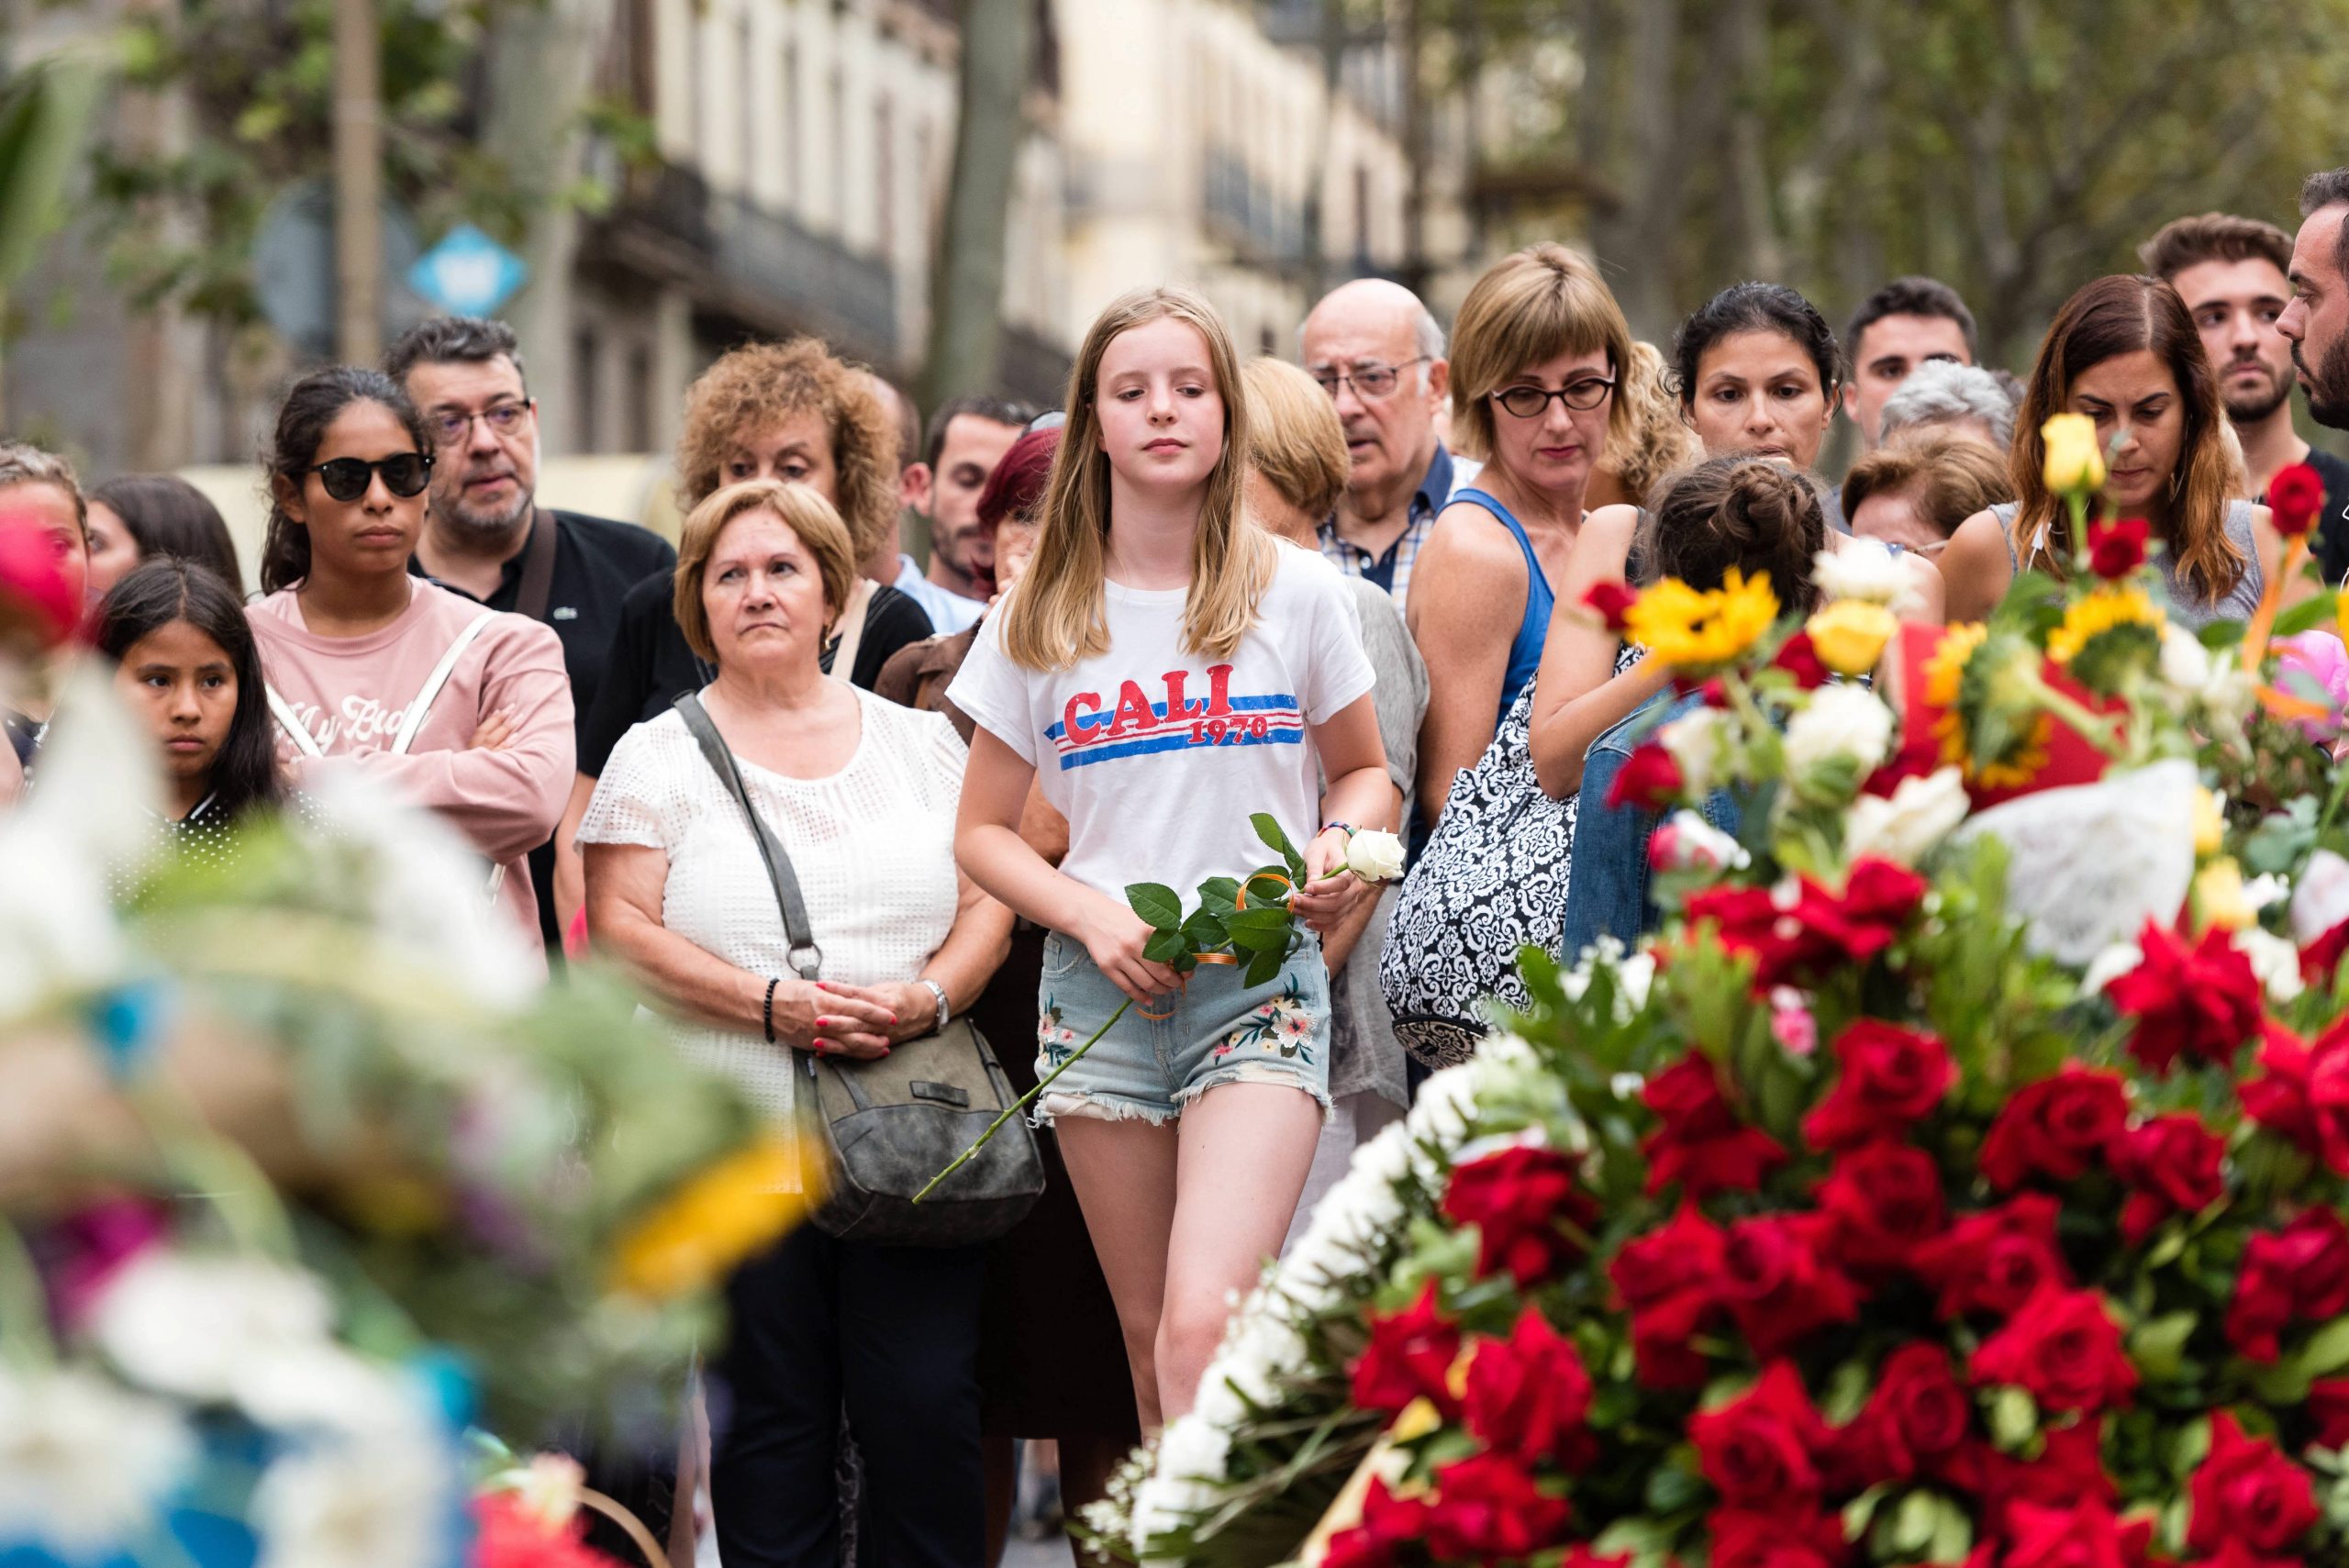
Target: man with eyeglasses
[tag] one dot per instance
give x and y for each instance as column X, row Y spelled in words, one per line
column 1379, row 354
column 485, row 534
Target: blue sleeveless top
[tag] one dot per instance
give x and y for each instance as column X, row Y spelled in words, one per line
column 1525, row 650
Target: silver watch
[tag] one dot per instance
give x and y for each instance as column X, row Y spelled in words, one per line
column 944, row 1011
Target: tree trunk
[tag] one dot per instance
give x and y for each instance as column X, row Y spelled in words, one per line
column 966, row 277
column 542, row 66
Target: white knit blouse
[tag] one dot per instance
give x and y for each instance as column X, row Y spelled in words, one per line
column 873, row 845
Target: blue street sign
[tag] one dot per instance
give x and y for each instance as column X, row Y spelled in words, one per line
column 468, row 273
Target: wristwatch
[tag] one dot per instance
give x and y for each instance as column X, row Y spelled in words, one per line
column 945, row 1010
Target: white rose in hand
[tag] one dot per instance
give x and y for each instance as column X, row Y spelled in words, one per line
column 1375, row 857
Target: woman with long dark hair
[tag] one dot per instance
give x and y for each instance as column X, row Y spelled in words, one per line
column 2124, row 352
column 185, row 660
column 462, row 710
column 135, row 517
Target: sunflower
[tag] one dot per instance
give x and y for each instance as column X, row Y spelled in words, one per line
column 719, row 1217
column 1694, row 629
column 1946, row 676
column 2106, row 609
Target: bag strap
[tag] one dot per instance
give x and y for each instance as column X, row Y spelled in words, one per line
column 429, row 691
column 538, row 568
column 294, row 729
column 860, row 600
column 807, row 957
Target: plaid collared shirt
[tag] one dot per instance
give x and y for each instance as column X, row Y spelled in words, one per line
column 1392, row 571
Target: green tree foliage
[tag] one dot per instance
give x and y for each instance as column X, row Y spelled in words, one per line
column 258, row 80
column 2014, row 147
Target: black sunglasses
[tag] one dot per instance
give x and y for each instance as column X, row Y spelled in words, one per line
column 347, row 478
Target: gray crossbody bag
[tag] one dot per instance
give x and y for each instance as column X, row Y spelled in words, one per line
column 890, row 1125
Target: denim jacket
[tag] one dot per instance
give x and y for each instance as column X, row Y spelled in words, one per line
column 1606, row 892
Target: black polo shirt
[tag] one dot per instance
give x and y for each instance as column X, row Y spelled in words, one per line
column 596, row 561
column 652, row 665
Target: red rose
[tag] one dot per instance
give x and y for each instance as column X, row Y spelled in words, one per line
column 1920, row 757
column 2322, row 956
column 2278, row 1099
column 1746, row 1538
column 1388, row 1522
column 1488, row 1508
column 1815, row 929
column 1610, row 600
column 1798, row 658
column 2201, row 1001
column 1516, row 1199
column 2171, row 1164
column 2296, row 495
column 1409, row 1355
column 2298, row 1274
column 1777, row 1282
column 2116, row 548
column 1649, row 779
column 1886, row 1201
column 2064, row 1350
column 1995, row 1260
column 1919, row 1420
column 1701, row 1143
column 1669, row 1280
column 2329, row 1411
column 2233, row 1554
column 1760, row 1450
column 2247, row 1490
column 1527, row 1395
column 2084, row 1535
column 1580, row 1555
column 35, row 577
column 2069, row 1471
column 2054, row 1127
column 1890, row 1078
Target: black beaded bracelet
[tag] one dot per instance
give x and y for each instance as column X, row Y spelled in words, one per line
column 767, row 1012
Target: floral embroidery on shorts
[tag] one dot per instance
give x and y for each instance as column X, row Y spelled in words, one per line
column 1054, row 1038
column 1283, row 1026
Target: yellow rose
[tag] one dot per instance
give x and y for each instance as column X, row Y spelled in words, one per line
column 2209, row 823
column 1850, row 634
column 2341, row 611
column 721, row 1216
column 2075, row 458
column 2218, row 897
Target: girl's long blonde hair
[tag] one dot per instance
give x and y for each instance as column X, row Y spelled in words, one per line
column 1057, row 616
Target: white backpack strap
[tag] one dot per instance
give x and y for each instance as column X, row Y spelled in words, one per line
column 430, row 691
column 295, row 728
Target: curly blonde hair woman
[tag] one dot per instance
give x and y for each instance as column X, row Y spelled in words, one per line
column 1660, row 443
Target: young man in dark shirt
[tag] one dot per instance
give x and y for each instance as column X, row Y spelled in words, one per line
column 2234, row 274
column 486, row 537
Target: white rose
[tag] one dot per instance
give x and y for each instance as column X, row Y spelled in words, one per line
column 195, row 1325
column 2273, row 959
column 1687, row 842
column 1374, row 856
column 1841, row 720
column 1920, row 815
column 1862, row 569
column 1699, row 741
column 2215, row 682
column 2322, row 900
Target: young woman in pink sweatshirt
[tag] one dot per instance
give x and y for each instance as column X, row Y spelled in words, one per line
column 458, row 709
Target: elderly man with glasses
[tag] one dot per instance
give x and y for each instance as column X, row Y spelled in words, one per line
column 486, row 537
column 1379, row 354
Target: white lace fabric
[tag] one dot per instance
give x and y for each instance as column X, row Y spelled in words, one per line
column 873, row 845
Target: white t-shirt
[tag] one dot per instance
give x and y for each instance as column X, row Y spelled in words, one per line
column 1156, row 754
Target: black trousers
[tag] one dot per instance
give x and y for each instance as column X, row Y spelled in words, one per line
column 891, row 1334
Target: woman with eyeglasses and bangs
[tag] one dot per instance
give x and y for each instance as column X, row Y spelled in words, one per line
column 464, row 710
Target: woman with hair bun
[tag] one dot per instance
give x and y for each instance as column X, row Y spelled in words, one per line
column 1757, row 516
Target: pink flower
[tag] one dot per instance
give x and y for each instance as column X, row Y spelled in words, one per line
column 2319, row 656
column 1791, row 1023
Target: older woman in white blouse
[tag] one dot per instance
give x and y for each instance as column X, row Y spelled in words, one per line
column 861, row 793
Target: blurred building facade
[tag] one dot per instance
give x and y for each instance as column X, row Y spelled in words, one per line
column 802, row 151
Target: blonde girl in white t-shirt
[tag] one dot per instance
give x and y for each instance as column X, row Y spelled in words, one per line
column 1163, row 671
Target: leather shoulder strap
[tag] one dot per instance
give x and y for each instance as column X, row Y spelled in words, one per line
column 807, row 957
column 531, row 593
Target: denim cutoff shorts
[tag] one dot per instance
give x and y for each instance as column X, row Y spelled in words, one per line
column 1213, row 1031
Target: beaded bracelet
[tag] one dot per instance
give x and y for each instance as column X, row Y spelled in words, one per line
column 767, row 1012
